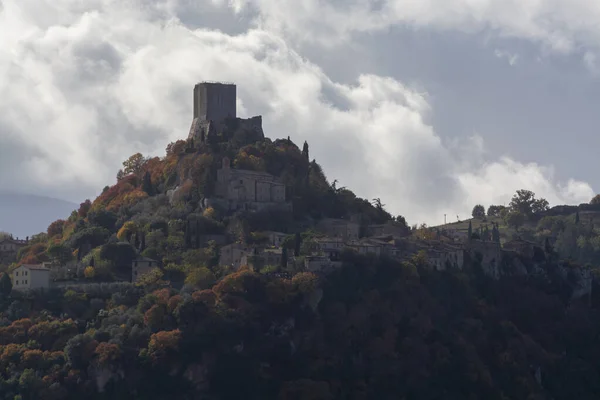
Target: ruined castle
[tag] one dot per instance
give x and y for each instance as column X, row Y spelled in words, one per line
column 215, row 108
column 214, row 115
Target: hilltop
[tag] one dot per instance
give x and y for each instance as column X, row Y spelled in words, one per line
column 232, row 268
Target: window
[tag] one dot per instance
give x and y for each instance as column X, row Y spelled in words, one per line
column 17, row 273
column 26, row 282
column 26, row 273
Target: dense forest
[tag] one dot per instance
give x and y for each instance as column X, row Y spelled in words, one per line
column 375, row 328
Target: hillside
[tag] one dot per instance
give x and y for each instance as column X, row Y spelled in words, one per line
column 398, row 324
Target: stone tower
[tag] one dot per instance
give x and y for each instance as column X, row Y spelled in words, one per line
column 214, row 101
column 214, row 104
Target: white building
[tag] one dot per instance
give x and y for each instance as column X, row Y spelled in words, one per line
column 28, row 277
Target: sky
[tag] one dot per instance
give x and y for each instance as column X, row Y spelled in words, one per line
column 432, row 106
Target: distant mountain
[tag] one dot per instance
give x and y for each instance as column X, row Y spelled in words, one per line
column 26, row 214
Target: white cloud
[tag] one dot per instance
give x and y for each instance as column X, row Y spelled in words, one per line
column 88, row 84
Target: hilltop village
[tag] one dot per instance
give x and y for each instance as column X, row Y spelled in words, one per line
column 231, row 267
column 313, row 245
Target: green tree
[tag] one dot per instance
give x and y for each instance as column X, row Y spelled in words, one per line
column 305, row 150
column 59, row 254
column 494, row 210
column 147, row 184
column 515, row 219
column 595, row 199
column 524, row 202
column 478, row 211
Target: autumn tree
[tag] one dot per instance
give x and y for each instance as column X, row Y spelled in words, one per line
column 133, row 165
column 56, row 228
column 163, row 343
column 84, row 208
column 478, row 211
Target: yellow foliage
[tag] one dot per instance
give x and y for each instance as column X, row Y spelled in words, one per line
column 209, row 212
column 126, row 230
column 89, row 272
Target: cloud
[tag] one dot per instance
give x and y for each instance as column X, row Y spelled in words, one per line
column 557, row 25
column 87, row 84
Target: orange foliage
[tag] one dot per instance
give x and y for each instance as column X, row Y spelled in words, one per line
column 162, row 295
column 305, row 282
column 234, row 283
column 108, row 353
column 56, row 228
column 174, row 302
column 155, row 167
column 15, row 332
column 162, row 343
column 112, row 199
column 32, row 358
column 30, row 259
column 206, row 296
column 84, row 208
column 11, row 353
column 154, row 317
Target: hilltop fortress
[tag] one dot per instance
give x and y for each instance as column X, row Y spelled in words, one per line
column 214, row 108
column 214, row 115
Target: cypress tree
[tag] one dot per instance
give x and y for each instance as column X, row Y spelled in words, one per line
column 197, row 233
column 284, row 258
column 147, row 184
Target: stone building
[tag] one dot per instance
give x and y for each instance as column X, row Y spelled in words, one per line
column 9, row 248
column 141, row 266
column 28, row 277
column 258, row 259
column 389, row 228
column 231, row 255
column 521, row 247
column 249, row 190
column 339, row 228
column 214, row 101
column 490, row 253
column 215, row 111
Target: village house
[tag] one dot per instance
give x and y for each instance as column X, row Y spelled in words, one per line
column 276, row 239
column 263, row 258
column 9, row 248
column 231, row 255
column 248, row 190
column 522, row 247
column 339, row 228
column 320, row 263
column 329, row 243
column 389, row 228
column 365, row 247
column 141, row 266
column 27, row 277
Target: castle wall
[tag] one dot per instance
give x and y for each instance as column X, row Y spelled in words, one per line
column 214, row 101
